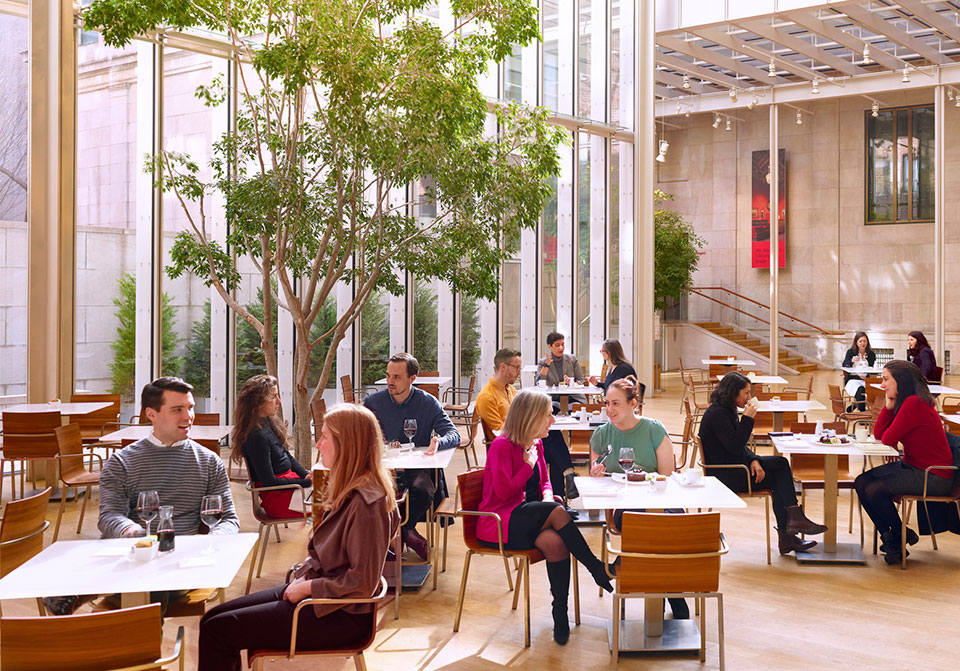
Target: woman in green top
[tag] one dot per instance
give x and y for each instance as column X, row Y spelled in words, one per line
column 652, row 449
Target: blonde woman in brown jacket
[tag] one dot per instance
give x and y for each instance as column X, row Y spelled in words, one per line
column 345, row 559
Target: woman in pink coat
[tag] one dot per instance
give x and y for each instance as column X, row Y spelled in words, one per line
column 516, row 486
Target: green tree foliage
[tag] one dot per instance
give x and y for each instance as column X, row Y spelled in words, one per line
column 469, row 335
column 250, row 357
column 676, row 252
column 374, row 339
column 425, row 325
column 343, row 104
column 196, row 358
column 124, row 344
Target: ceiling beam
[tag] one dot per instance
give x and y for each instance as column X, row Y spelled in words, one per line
column 764, row 55
column 711, row 56
column 933, row 18
column 882, row 27
column 665, row 92
column 675, row 63
column 675, row 80
column 828, row 31
column 802, row 47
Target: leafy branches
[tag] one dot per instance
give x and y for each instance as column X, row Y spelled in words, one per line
column 676, row 252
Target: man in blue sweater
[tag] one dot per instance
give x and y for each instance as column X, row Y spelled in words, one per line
column 401, row 401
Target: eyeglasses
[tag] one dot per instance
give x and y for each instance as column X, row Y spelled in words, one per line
column 515, row 366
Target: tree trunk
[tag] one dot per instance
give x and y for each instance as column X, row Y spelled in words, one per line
column 302, row 438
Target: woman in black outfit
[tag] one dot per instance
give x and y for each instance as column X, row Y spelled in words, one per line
column 724, row 439
column 261, row 439
column 921, row 354
column 859, row 353
column 612, row 352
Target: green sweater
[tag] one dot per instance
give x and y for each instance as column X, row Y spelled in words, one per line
column 644, row 438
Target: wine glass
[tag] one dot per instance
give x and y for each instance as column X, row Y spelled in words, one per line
column 211, row 510
column 148, row 506
column 626, row 459
column 409, row 429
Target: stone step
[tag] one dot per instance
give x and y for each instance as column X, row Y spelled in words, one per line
column 805, row 367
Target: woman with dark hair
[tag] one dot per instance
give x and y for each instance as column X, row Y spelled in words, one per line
column 260, row 438
column 909, row 416
column 515, row 487
column 859, row 354
column 724, row 440
column 921, row 355
column 618, row 367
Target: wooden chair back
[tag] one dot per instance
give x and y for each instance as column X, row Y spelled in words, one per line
column 70, row 447
column 950, row 405
column 694, row 374
column 91, row 424
column 488, row 434
column 815, row 462
column 87, row 642
column 937, row 375
column 580, row 440
column 872, row 391
column 29, row 435
column 715, row 369
column 763, row 422
column 672, row 536
column 206, row 419
column 21, row 535
column 346, row 386
column 470, row 435
column 470, row 491
column 432, row 389
column 318, row 410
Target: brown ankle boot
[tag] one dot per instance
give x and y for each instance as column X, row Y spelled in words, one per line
column 789, row 542
column 797, row 523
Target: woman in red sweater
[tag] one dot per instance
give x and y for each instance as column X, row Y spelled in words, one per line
column 909, row 417
column 516, row 487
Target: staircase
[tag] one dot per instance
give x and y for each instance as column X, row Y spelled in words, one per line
column 785, row 356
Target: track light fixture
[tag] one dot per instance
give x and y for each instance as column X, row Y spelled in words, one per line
column 733, row 95
column 866, row 54
column 957, row 104
column 662, row 156
column 906, row 76
column 753, row 103
column 815, row 87
column 729, row 127
column 799, row 118
column 875, row 109
column 716, row 121
column 679, row 108
column 949, row 94
column 772, row 69
column 686, row 81
column 687, row 113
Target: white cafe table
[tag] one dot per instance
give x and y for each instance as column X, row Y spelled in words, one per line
column 568, row 390
column 62, row 408
column 780, row 407
column 422, row 380
column 728, row 362
column 573, row 423
column 863, row 370
column 762, row 379
column 105, row 567
column 829, row 551
column 935, row 389
column 140, row 431
column 611, row 493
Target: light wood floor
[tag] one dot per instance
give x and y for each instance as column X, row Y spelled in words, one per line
column 783, row 616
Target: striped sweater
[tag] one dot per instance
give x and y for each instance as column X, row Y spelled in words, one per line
column 182, row 475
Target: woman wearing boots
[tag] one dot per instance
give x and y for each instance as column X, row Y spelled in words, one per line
column 910, row 417
column 516, row 487
column 724, row 439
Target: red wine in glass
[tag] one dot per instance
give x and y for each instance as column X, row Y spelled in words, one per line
column 626, row 464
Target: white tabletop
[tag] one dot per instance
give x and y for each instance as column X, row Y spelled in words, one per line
column 143, row 430
column 609, row 493
column 950, row 418
column 530, row 368
column 411, row 459
column 808, row 444
column 63, row 408
column 93, row 567
column 790, row 406
column 863, row 370
column 762, row 379
column 570, row 390
column 422, row 380
column 728, row 362
column 573, row 423
column 935, row 389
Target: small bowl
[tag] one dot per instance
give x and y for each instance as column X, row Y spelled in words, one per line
column 145, row 554
column 660, row 483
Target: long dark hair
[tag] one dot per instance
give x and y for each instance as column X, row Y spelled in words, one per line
column 861, row 334
column 725, row 395
column 921, row 343
column 246, row 416
column 614, row 350
column 910, row 382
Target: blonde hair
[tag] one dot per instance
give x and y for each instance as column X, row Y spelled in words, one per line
column 359, row 444
column 527, row 410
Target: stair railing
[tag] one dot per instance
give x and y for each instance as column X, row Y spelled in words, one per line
column 787, row 333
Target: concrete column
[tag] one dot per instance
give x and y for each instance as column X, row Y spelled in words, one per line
column 51, row 207
column 774, row 238
column 939, row 143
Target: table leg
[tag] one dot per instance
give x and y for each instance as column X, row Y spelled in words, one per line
column 131, row 599
column 778, row 420
column 653, row 616
column 830, row 502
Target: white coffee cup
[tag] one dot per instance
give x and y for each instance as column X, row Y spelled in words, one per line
column 660, row 485
column 862, row 434
column 541, row 383
column 694, row 475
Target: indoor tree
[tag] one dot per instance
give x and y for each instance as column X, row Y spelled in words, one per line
column 676, row 250
column 343, row 105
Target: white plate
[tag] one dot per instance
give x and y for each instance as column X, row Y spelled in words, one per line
column 622, row 477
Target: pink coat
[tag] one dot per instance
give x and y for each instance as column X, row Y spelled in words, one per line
column 504, row 485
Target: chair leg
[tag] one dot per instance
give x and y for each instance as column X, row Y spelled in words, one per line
column 506, row 566
column 850, row 522
column 276, row 529
column 903, row 534
column 703, row 629
column 526, row 602
column 933, row 535
column 576, row 590
column 253, row 559
column 719, row 626
column 63, row 503
column 359, row 662
column 615, row 627
column 445, row 529
column 517, row 585
column 463, row 589
column 263, row 549
column 398, row 553
column 40, row 608
column 83, row 506
column 766, row 510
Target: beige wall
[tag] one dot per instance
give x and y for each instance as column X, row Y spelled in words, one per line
column 840, row 273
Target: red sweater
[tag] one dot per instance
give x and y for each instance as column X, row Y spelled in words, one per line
column 918, row 426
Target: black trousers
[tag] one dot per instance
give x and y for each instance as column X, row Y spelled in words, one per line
column 557, row 454
column 878, row 486
column 418, row 482
column 264, row 620
column 778, row 479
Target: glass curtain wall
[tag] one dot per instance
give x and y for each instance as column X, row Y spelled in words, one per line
column 13, row 209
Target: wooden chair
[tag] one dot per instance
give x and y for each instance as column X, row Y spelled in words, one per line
column 27, row 436
column 21, row 537
column 209, row 419
column 937, row 376
column 457, row 400
column 839, row 407
column 808, row 469
column 664, row 555
column 432, row 389
column 685, row 439
column 120, row 640
column 763, row 422
column 468, row 427
column 72, row 472
column 318, row 410
column 266, row 522
column 350, row 394
column 580, row 440
column 804, row 393
column 950, row 405
column 751, row 493
column 93, row 424
column 354, row 649
column 470, row 488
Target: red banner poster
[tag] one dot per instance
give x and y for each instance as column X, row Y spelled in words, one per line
column 760, row 210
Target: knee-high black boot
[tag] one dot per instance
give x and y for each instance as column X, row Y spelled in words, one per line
column 577, row 545
column 558, row 572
